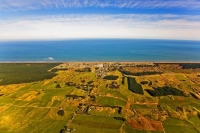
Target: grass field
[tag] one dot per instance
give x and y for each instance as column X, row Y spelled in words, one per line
column 179, row 126
column 110, row 101
column 98, row 123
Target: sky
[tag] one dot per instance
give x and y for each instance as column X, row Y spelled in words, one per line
column 74, row 19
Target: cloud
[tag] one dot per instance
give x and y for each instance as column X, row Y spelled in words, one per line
column 14, row 5
column 101, row 26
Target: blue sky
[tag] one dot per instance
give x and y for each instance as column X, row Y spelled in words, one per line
column 66, row 19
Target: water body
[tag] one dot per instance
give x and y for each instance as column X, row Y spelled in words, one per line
column 100, row 50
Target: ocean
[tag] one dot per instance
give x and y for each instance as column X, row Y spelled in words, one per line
column 100, row 50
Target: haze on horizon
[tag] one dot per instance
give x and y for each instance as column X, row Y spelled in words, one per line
column 69, row 19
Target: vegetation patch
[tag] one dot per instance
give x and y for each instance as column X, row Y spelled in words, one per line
column 139, row 106
column 58, row 69
column 169, row 128
column 195, row 95
column 117, row 94
column 16, row 73
column 114, row 85
column 111, row 77
column 134, row 86
column 61, row 112
column 75, row 97
column 190, row 65
column 29, row 96
column 144, row 82
column 110, row 101
column 139, row 73
column 120, row 118
column 86, row 69
column 97, row 122
column 164, row 91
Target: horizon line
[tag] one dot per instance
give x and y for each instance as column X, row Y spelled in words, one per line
column 38, row 62
column 111, row 38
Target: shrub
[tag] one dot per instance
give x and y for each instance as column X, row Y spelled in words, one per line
column 144, row 82
column 123, row 80
column 57, row 69
column 111, row 77
column 58, row 86
column 114, row 85
column 120, row 118
column 86, row 69
column 150, row 83
column 83, row 81
column 90, row 82
column 61, row 112
column 139, row 73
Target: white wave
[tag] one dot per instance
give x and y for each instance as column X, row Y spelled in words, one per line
column 50, row 58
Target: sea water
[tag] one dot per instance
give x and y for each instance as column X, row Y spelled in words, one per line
column 100, row 50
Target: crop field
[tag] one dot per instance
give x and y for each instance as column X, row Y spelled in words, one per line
column 110, row 101
column 76, row 99
column 176, row 125
column 97, row 122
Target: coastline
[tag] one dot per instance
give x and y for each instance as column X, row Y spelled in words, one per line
column 137, row 62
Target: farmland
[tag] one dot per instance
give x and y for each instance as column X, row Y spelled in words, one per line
column 81, row 97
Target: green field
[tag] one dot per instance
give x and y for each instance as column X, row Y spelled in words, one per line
column 110, row 101
column 98, row 124
column 179, row 126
